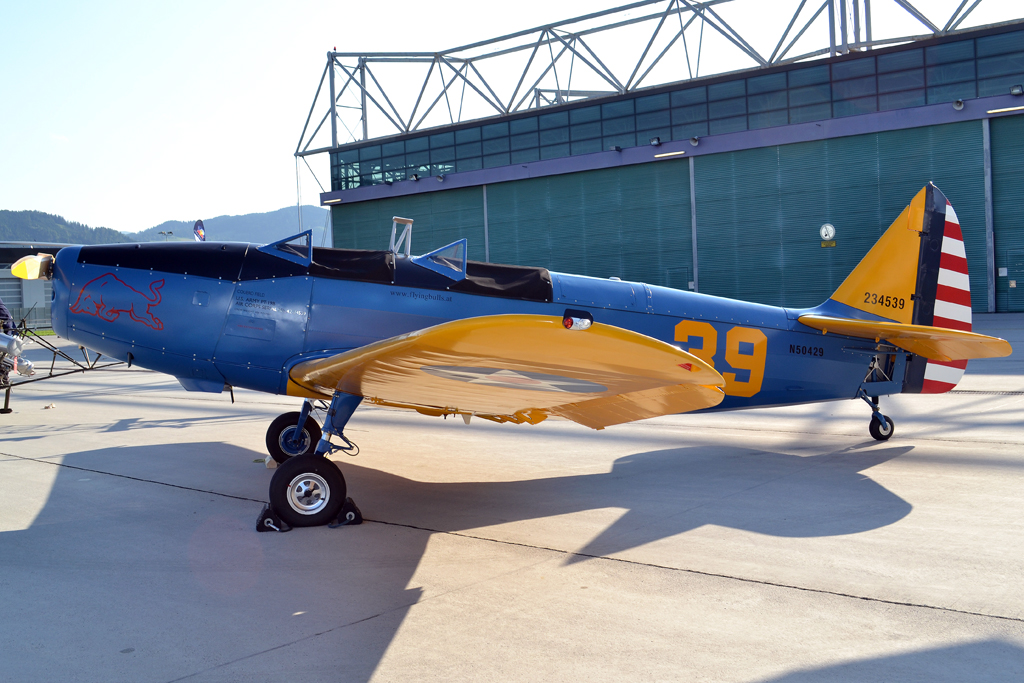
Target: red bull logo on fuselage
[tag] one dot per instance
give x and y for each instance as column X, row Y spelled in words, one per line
column 108, row 296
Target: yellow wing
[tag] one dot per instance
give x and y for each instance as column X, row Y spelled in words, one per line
column 520, row 368
column 934, row 343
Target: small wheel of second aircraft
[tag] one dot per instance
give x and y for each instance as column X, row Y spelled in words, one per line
column 282, row 431
column 877, row 431
column 307, row 490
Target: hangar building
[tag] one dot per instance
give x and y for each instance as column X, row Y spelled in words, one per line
column 720, row 184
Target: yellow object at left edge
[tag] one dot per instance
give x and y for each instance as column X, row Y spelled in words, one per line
column 32, row 267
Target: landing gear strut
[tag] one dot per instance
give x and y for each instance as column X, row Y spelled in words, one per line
column 881, row 426
column 308, row 489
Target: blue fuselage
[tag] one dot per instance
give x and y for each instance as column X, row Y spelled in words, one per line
column 214, row 314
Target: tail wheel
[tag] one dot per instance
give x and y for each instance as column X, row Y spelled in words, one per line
column 283, row 442
column 307, row 490
column 878, row 432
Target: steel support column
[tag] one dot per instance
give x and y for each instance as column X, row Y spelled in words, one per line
column 693, row 223
column 487, row 237
column 334, row 102
column 990, row 234
column 362, row 97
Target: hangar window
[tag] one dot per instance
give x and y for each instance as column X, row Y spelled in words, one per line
column 495, row 145
column 901, row 80
column 585, row 115
column 494, row 130
column 586, row 146
column 691, row 114
column 554, row 136
column 652, row 103
column 554, row 151
column 523, row 125
column 730, row 125
column 369, row 153
column 496, row 160
column 767, row 83
column 768, row 102
column 853, row 69
column 585, row 131
column 898, row 61
column 901, row 100
column 525, row 156
column 525, row 140
column 769, row 119
column 691, row 96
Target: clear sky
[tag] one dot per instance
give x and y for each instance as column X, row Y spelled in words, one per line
column 127, row 114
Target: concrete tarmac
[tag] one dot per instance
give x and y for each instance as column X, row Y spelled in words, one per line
column 770, row 545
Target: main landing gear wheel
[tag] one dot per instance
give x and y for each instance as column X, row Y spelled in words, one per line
column 282, row 431
column 878, row 432
column 307, row 490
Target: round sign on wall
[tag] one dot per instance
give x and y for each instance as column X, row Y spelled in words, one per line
column 828, row 232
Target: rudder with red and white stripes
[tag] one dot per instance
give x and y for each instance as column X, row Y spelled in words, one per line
column 952, row 303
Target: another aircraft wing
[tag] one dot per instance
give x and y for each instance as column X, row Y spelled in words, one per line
column 520, row 368
column 933, row 343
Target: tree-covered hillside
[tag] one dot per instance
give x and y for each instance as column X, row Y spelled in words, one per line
column 260, row 228
column 36, row 226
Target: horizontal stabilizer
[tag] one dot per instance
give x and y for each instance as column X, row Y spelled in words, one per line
column 520, row 368
column 933, row 343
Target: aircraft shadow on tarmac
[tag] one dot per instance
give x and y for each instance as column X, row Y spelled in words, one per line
column 664, row 493
column 987, row 660
column 210, row 565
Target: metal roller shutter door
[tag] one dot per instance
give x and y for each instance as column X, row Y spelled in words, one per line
column 1008, row 205
column 440, row 218
column 631, row 222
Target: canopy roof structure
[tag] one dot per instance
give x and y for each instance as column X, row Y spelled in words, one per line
column 364, row 96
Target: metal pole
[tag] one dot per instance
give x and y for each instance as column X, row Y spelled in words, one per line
column 693, row 224
column 831, row 28
column 867, row 20
column 362, row 83
column 856, row 21
column 487, row 240
column 990, row 233
column 334, row 110
column 298, row 193
column 843, row 27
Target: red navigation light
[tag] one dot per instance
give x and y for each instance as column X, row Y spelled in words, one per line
column 686, row 366
column 567, row 322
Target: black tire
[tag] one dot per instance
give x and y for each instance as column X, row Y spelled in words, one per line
column 307, row 490
column 875, row 427
column 280, row 432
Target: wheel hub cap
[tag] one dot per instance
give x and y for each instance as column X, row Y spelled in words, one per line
column 308, row 493
column 299, row 445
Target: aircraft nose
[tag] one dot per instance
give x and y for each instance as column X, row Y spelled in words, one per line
column 61, row 280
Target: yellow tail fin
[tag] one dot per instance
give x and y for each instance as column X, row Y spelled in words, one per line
column 885, row 282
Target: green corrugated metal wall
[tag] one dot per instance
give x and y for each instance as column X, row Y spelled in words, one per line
column 440, row 219
column 759, row 210
column 631, row 222
column 758, row 213
column 1007, row 139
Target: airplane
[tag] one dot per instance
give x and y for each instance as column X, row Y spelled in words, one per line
column 443, row 335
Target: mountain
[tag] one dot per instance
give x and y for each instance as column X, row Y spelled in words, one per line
column 36, row 226
column 259, row 228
